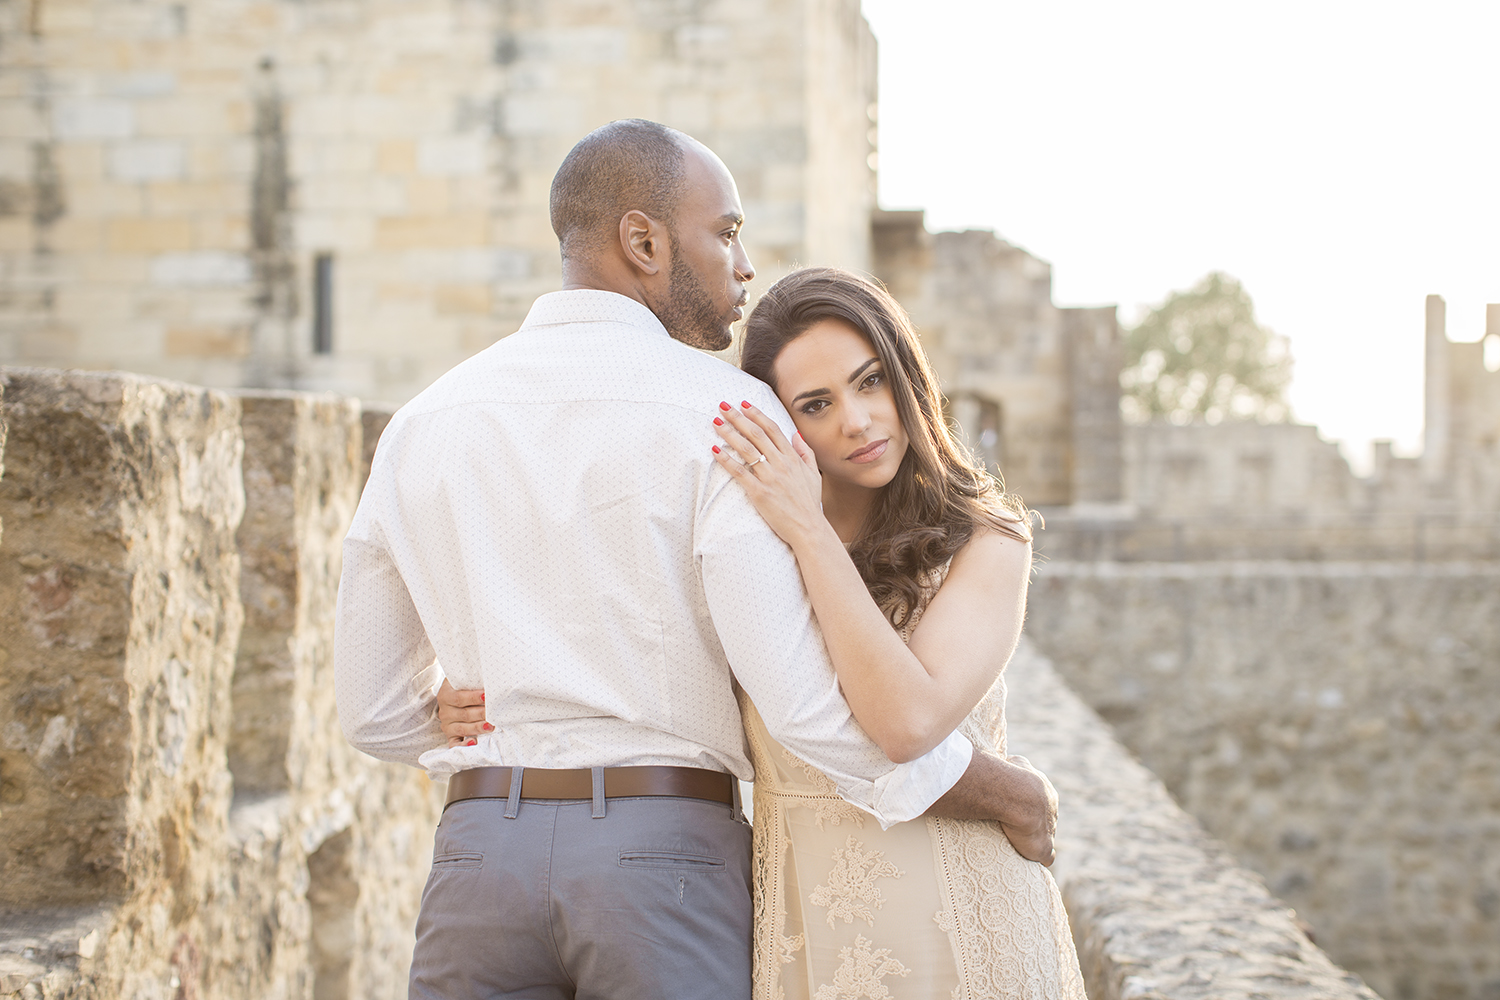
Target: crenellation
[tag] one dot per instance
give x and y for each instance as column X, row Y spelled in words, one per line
column 171, row 556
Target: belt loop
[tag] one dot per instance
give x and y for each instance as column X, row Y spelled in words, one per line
column 598, row 774
column 513, row 804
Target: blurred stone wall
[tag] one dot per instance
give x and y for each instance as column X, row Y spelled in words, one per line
column 1158, row 908
column 171, row 174
column 1334, row 723
column 181, row 816
column 1034, row 389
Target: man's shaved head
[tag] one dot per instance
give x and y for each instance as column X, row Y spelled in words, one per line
column 632, row 164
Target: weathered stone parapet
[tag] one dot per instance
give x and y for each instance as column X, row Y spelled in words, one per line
column 133, row 705
column 119, row 579
column 1334, row 723
column 302, row 482
column 329, row 846
column 1160, row 911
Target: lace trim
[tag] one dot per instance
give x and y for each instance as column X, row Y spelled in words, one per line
column 816, row 778
column 1004, row 916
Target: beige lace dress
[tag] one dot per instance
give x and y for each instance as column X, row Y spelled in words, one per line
column 934, row 908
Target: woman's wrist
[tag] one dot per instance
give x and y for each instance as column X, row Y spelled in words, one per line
column 810, row 538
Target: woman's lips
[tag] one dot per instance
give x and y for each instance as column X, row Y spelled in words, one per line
column 869, row 452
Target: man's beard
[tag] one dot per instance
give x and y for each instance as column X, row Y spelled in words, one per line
column 689, row 313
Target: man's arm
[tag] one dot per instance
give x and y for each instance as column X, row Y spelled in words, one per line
column 1012, row 792
column 384, row 668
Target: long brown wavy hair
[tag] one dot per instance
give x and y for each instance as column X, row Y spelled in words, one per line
column 939, row 497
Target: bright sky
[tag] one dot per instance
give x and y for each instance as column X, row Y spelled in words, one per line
column 1341, row 159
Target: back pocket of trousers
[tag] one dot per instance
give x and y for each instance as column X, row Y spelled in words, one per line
column 456, row 862
column 670, row 859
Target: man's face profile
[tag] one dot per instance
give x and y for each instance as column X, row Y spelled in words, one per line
column 706, row 281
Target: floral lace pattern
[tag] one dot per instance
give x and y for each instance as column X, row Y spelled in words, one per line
column 860, row 973
column 949, row 907
column 850, row 891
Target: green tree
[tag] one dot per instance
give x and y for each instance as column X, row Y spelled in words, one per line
column 1201, row 355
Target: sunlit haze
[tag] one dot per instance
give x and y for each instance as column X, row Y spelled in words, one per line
column 1340, row 159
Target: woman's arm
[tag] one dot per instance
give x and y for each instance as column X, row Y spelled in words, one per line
column 908, row 698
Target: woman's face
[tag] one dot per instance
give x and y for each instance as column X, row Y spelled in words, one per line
column 835, row 388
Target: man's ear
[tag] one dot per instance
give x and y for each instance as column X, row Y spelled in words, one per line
column 644, row 241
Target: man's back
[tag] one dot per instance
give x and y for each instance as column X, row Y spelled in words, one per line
column 539, row 502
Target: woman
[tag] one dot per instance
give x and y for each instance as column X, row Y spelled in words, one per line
column 916, row 566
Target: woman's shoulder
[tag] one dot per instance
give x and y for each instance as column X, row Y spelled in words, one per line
column 989, row 553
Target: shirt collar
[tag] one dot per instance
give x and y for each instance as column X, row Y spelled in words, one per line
column 591, row 305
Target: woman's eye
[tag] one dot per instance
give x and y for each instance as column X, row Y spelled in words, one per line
column 814, row 406
column 871, row 380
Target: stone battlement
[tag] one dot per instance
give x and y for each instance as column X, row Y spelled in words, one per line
column 181, row 817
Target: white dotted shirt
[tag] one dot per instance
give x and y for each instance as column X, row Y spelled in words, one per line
column 547, row 521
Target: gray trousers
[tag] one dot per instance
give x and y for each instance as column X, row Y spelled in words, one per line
column 649, row 902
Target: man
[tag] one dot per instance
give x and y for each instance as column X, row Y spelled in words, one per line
column 546, row 521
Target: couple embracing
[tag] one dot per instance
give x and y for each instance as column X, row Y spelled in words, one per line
column 671, row 574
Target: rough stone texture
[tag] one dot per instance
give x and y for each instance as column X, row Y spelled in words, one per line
column 329, row 847
column 170, row 173
column 1334, row 723
column 1160, row 911
column 119, row 579
column 306, row 883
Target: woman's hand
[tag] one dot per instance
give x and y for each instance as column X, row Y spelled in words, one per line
column 461, row 714
column 780, row 476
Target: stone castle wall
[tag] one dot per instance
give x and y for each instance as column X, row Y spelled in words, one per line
column 1033, row 388
column 1333, row 723
column 180, row 815
column 182, row 819
column 172, row 175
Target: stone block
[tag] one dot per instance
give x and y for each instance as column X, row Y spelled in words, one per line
column 150, row 235
column 119, row 504
column 302, row 460
column 422, row 231
column 203, row 268
column 453, row 155
column 463, row 300
column 203, row 198
column 427, row 195
column 207, row 342
column 104, row 198
column 140, row 83
column 396, row 156
column 93, row 118
column 146, row 160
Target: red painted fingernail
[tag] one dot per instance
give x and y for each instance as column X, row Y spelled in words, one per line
column 488, row 727
column 745, row 403
column 716, row 449
column 481, row 696
column 724, row 406
column 718, row 422
column 472, row 743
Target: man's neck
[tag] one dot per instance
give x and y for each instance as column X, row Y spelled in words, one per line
column 576, row 278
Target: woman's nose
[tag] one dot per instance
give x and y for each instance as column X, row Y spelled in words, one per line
column 856, row 420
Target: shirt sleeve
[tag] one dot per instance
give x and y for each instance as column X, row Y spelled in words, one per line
column 385, row 673
column 771, row 638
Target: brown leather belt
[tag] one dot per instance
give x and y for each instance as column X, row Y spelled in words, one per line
column 578, row 783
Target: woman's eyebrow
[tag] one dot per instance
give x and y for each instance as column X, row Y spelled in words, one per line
column 824, row 392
